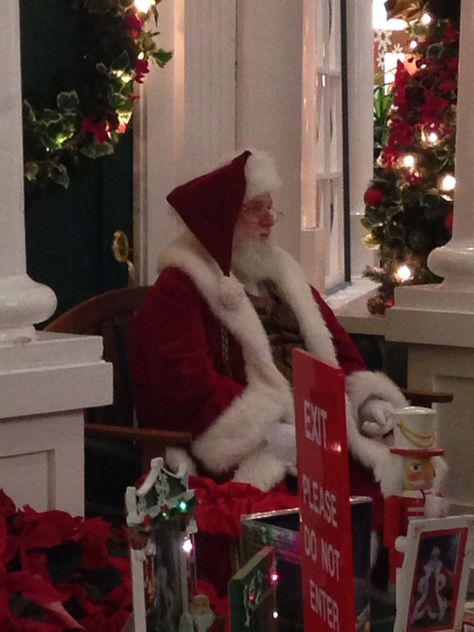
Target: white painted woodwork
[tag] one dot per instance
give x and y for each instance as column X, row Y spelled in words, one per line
column 269, row 95
column 360, row 78
column 22, row 301
column 187, row 116
column 44, row 387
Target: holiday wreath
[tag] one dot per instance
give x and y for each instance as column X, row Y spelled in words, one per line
column 96, row 104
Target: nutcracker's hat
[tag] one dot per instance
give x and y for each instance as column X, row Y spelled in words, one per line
column 210, row 204
column 414, row 432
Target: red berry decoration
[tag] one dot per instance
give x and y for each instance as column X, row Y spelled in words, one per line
column 448, row 221
column 373, row 196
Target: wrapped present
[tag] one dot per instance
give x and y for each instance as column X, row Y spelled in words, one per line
column 280, row 530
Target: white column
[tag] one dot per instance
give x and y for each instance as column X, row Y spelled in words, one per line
column 360, row 65
column 22, row 301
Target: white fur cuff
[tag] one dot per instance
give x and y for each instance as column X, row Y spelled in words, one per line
column 261, row 469
column 241, row 427
column 363, row 385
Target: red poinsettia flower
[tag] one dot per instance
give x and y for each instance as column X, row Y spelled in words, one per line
column 452, row 63
column 133, row 23
column 401, row 133
column 141, row 69
column 27, row 539
column 373, row 196
column 33, row 587
column 433, row 107
column 448, row 86
column 99, row 130
column 95, row 533
column 413, row 179
column 390, row 156
column 401, row 80
column 448, row 221
column 450, row 36
column 7, row 506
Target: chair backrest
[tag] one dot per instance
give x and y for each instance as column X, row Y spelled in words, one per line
column 107, row 315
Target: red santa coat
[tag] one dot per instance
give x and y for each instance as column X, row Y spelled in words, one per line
column 175, row 349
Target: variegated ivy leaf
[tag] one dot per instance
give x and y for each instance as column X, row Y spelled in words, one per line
column 68, row 100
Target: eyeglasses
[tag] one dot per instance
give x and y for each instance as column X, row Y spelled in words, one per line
column 255, row 212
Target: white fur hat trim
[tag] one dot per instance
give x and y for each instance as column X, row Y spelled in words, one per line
column 260, row 174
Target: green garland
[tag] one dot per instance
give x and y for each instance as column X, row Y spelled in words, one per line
column 96, row 107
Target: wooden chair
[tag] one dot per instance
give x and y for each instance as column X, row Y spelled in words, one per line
column 108, row 427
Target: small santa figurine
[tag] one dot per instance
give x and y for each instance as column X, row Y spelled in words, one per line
column 432, row 603
column 411, row 480
column 202, row 615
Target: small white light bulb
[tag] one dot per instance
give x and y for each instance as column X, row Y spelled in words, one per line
column 433, row 138
column 426, row 19
column 187, row 545
column 413, row 44
column 448, row 182
column 403, row 273
column 143, row 5
column 408, row 161
column 275, row 614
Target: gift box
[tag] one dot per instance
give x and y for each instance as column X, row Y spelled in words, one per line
column 280, row 530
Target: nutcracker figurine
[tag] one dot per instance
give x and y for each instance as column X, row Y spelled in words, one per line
column 412, row 479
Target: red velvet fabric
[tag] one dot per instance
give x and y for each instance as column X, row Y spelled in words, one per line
column 218, row 516
column 220, row 507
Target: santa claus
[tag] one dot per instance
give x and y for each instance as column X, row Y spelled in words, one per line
column 210, row 349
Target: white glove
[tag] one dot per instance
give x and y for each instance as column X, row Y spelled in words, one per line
column 282, row 442
column 375, row 417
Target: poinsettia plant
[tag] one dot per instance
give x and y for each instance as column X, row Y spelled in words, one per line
column 59, row 572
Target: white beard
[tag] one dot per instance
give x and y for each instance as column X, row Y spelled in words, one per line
column 203, row 620
column 252, row 259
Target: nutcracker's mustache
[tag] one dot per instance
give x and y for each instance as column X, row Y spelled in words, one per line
column 422, row 484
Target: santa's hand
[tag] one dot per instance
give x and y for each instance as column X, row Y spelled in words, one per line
column 282, row 442
column 375, row 417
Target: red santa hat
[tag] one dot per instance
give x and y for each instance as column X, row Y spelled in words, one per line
column 210, row 204
column 414, row 432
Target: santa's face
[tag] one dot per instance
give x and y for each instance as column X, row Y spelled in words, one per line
column 201, row 612
column 419, row 473
column 256, row 219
